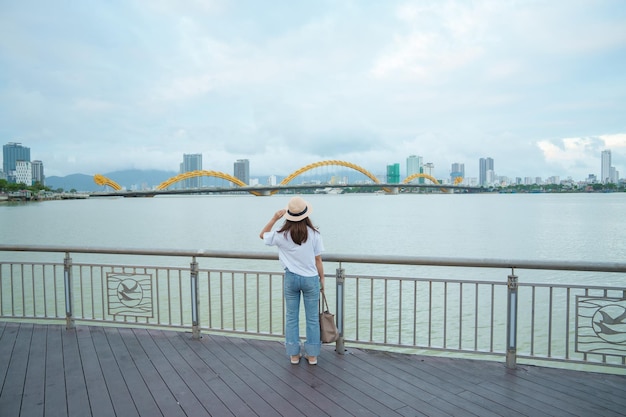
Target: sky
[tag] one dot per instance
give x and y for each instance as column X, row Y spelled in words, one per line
column 98, row 86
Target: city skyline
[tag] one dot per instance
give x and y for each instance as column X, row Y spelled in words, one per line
column 440, row 170
column 540, row 87
column 15, row 168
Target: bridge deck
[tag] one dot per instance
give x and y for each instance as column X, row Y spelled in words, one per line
column 106, row 371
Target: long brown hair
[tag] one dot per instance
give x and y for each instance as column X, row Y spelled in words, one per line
column 298, row 230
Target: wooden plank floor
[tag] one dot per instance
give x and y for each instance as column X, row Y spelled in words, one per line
column 104, row 371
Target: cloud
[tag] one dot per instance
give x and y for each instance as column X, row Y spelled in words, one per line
column 569, row 149
column 90, row 105
column 97, row 87
column 581, row 153
column 433, row 42
column 615, row 141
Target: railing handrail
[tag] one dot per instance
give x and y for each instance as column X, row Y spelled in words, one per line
column 512, row 264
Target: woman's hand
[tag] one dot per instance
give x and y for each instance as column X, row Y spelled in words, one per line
column 280, row 213
column 320, row 270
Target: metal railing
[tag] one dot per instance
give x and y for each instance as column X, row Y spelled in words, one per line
column 428, row 305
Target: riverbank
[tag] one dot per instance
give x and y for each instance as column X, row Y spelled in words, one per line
column 43, row 196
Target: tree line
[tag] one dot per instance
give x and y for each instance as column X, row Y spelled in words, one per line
column 11, row 187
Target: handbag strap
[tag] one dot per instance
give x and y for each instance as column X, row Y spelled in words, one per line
column 323, row 303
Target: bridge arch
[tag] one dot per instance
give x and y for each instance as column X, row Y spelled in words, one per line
column 314, row 165
column 102, row 180
column 415, row 176
column 457, row 180
column 434, row 180
column 203, row 173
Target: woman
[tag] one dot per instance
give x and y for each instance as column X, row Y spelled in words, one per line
column 300, row 252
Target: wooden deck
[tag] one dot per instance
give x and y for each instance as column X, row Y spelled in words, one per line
column 104, row 371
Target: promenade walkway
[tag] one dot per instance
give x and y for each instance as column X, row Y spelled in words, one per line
column 106, row 371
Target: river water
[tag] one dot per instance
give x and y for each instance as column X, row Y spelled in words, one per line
column 580, row 227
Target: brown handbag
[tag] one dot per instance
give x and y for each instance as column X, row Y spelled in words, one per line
column 328, row 328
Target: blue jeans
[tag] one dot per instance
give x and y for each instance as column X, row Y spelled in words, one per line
column 310, row 289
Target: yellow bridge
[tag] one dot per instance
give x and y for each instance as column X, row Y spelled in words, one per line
column 102, row 180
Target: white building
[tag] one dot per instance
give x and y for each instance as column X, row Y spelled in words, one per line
column 605, row 169
column 429, row 169
column 23, row 173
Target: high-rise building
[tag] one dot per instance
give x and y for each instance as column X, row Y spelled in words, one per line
column 38, row 175
column 415, row 165
column 11, row 153
column 605, row 169
column 242, row 170
column 393, row 174
column 192, row 162
column 457, row 170
column 486, row 171
column 429, row 169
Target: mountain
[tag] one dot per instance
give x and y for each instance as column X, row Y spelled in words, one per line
column 129, row 179
column 79, row 182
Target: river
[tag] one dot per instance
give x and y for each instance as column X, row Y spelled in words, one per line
column 549, row 227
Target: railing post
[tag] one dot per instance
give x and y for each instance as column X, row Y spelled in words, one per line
column 67, row 282
column 340, row 279
column 511, row 327
column 195, row 322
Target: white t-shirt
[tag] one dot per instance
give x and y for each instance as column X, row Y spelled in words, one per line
column 299, row 259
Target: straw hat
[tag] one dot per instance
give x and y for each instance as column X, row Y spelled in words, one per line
column 298, row 209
